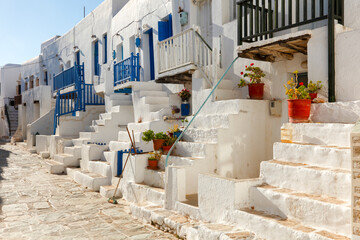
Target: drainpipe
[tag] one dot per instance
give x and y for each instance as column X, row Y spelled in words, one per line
column 331, row 51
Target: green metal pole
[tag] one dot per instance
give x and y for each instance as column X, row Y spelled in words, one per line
column 331, row 51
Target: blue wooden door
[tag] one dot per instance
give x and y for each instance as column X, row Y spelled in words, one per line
column 96, row 58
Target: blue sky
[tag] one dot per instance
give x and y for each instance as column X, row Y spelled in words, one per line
column 25, row 24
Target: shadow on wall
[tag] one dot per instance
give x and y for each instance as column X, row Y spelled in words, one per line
column 4, row 154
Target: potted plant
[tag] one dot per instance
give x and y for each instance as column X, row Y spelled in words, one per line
column 175, row 131
column 255, row 85
column 299, row 101
column 168, row 144
column 313, row 89
column 153, row 160
column 185, row 106
column 158, row 138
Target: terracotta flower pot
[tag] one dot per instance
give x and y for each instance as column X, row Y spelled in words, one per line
column 152, row 164
column 313, row 96
column 166, row 149
column 299, row 110
column 158, row 143
column 256, row 90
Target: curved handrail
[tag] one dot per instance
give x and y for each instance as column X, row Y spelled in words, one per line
column 202, row 105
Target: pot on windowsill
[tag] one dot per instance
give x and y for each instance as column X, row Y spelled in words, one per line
column 158, row 143
column 256, row 91
column 313, row 96
column 299, row 110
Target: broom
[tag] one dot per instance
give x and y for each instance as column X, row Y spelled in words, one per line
column 112, row 199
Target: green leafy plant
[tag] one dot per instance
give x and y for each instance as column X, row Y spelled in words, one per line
column 294, row 92
column 155, row 156
column 253, row 73
column 169, row 141
column 314, row 87
column 148, row 136
column 160, row 135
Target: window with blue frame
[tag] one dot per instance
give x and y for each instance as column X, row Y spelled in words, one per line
column 46, row 77
column 105, row 48
column 96, row 58
column 165, row 28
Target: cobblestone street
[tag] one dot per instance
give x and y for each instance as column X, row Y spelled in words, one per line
column 37, row 205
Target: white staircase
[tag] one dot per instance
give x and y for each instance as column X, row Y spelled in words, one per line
column 307, row 186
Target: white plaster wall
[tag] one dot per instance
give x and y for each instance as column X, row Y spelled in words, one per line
column 248, row 140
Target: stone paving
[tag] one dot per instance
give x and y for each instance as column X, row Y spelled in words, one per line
column 37, row 205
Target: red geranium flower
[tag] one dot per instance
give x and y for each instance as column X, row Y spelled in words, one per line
column 252, row 64
column 301, row 83
column 242, row 73
column 245, row 66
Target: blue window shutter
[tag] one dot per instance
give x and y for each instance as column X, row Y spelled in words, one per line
column 78, row 57
column 122, row 52
column 163, row 30
column 170, row 26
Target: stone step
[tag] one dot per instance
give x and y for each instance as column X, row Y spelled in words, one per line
column 330, row 134
column 105, row 116
column 325, row 156
column 309, row 179
column 85, row 135
column 54, row 167
column 90, row 180
column 67, row 160
column 201, row 135
column 179, row 161
column 74, row 151
column 78, row 142
column 154, row 178
column 155, row 100
column 194, row 149
column 210, row 121
column 156, row 107
column 321, row 212
column 100, row 167
column 108, row 191
column 153, row 93
column 274, row 227
column 138, row 193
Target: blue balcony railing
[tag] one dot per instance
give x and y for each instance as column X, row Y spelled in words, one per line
column 68, row 77
column 127, row 70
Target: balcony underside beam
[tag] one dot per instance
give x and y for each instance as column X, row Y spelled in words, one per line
column 275, row 50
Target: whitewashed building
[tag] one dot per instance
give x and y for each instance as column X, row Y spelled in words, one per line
column 240, row 165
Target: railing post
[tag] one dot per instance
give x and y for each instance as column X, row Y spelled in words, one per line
column 132, row 67
column 54, row 82
column 138, row 67
column 239, row 10
column 331, row 51
column 114, row 73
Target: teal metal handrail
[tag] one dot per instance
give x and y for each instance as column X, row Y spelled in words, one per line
column 202, row 105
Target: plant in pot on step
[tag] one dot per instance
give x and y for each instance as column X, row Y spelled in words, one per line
column 174, row 131
column 159, row 140
column 299, row 101
column 153, row 160
column 255, row 85
column 169, row 141
column 185, row 105
column 314, row 88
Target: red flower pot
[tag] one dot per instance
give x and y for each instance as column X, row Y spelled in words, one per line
column 299, row 110
column 256, row 90
column 313, row 96
column 152, row 164
column 166, row 149
column 158, row 143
